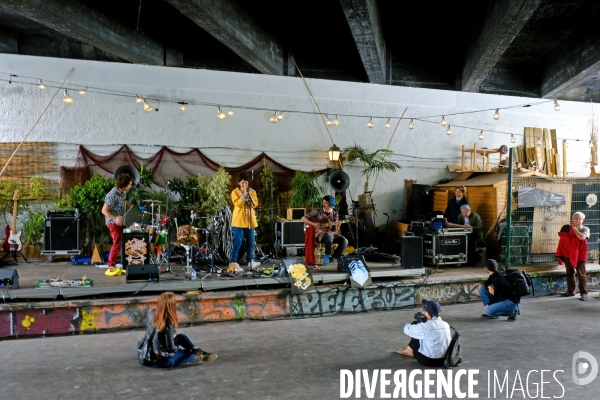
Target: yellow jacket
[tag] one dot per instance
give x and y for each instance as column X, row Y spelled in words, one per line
column 243, row 213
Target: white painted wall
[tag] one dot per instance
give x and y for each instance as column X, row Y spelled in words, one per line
column 103, row 122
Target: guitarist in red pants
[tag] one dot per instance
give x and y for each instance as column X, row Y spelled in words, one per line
column 324, row 219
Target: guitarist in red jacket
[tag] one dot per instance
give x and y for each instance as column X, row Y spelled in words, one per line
column 324, row 219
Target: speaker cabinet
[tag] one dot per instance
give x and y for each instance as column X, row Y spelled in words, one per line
column 412, row 252
column 142, row 273
column 289, row 233
column 9, row 277
column 135, row 248
column 56, row 240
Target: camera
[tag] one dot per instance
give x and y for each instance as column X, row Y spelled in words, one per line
column 420, row 317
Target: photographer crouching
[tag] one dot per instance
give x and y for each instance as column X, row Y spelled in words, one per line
column 430, row 336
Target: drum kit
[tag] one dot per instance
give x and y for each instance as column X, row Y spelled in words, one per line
column 156, row 226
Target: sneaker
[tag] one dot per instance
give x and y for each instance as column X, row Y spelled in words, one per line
column 584, row 297
column 204, row 356
column 326, row 259
column 512, row 318
column 567, row 294
column 253, row 264
column 119, row 266
column 485, row 316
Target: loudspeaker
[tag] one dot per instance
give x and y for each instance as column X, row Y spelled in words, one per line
column 9, row 277
column 56, row 240
column 135, row 248
column 145, row 273
column 289, row 233
column 412, row 252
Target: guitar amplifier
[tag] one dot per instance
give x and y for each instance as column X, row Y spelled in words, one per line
column 61, row 234
column 135, row 248
column 62, row 213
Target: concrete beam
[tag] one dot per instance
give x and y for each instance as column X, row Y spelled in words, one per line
column 502, row 26
column 83, row 23
column 364, row 22
column 231, row 25
column 575, row 63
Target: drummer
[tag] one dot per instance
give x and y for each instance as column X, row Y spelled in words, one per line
column 114, row 210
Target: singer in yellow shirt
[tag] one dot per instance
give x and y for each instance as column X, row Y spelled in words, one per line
column 243, row 221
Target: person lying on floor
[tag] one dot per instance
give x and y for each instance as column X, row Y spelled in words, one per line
column 498, row 295
column 162, row 347
column 430, row 337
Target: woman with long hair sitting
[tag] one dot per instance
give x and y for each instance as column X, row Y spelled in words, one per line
column 162, row 347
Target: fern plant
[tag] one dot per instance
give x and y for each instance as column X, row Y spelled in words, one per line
column 307, row 192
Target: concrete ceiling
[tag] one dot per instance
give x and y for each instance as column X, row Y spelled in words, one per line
column 533, row 48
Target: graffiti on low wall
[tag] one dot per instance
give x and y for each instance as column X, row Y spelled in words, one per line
column 446, row 293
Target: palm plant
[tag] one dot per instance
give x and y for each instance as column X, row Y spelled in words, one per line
column 373, row 163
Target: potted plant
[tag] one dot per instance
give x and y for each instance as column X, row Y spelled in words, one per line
column 213, row 192
column 307, row 192
column 33, row 227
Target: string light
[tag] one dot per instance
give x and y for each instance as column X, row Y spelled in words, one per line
column 230, row 112
column 370, row 124
column 590, row 144
column 147, row 107
column 280, row 116
column 328, row 122
column 388, row 124
column 497, row 114
column 83, row 92
column 556, row 106
column 336, row 121
column 411, row 125
column 220, row 113
column 480, row 137
column 448, row 131
column 443, row 121
column 41, row 85
column 273, row 118
column 138, row 99
column 183, row 107
column 512, row 138
column 67, row 99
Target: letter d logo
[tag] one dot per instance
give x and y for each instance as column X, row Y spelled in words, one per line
column 583, row 367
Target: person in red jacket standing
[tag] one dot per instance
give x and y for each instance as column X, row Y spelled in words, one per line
column 572, row 251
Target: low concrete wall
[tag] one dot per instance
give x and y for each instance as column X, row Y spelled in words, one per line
column 89, row 316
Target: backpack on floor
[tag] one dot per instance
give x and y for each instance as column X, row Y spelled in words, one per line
column 453, row 356
column 521, row 282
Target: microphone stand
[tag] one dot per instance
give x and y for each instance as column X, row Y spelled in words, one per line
column 168, row 251
column 78, row 215
column 272, row 254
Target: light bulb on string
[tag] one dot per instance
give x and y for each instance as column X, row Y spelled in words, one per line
column 328, row 122
column 556, row 106
column 67, row 99
column 370, row 124
column 230, row 112
column 388, row 124
column 336, row 121
column 183, row 107
column 497, row 114
column 449, row 131
column 273, row 118
column 480, row 137
column 41, row 85
column 280, row 116
column 443, row 121
column 83, row 92
column 512, row 138
column 138, row 99
column 147, row 107
column 411, row 124
column 220, row 113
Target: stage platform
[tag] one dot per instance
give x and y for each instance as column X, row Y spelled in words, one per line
column 112, row 304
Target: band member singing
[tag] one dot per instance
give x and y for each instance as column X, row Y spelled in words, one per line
column 327, row 238
column 114, row 210
column 243, row 221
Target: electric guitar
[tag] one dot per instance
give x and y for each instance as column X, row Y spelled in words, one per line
column 326, row 225
column 12, row 239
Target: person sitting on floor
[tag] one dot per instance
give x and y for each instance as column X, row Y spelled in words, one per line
column 498, row 295
column 162, row 347
column 430, row 339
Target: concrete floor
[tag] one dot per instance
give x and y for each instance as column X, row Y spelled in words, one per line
column 302, row 359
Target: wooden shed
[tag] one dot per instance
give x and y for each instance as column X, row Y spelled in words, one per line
column 487, row 193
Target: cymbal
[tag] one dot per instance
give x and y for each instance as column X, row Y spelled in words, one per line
column 152, row 201
column 195, row 209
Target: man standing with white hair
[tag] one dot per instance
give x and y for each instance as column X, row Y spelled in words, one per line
column 579, row 244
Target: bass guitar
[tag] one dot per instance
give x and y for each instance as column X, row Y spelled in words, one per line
column 326, row 225
column 12, row 239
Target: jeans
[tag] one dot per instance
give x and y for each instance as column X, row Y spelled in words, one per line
column 184, row 355
column 328, row 240
column 502, row 308
column 238, row 236
column 116, row 232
